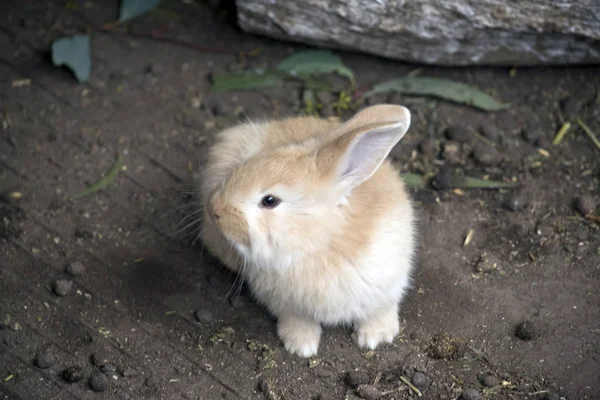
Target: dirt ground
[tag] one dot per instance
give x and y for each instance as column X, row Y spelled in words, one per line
column 144, row 313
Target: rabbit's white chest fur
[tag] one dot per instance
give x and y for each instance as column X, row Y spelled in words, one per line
column 318, row 289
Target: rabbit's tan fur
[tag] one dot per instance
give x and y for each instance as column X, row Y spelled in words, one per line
column 339, row 247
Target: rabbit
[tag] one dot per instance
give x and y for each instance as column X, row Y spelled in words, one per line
column 317, row 220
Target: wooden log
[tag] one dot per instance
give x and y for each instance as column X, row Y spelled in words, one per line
column 444, row 32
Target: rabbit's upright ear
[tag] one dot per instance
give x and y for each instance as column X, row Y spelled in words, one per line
column 362, row 145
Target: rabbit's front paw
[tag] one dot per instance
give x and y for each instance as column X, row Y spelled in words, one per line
column 299, row 335
column 381, row 327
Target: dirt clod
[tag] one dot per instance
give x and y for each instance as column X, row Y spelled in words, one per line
column 100, row 358
column 549, row 396
column 76, row 268
column 110, row 369
column 571, row 105
column 460, row 133
column 452, row 152
column 515, row 202
column 429, row 147
column 487, row 263
column 5, row 321
column 419, row 379
column 526, row 330
column 204, row 316
column 491, row 132
column 216, row 281
column 487, row 156
column 45, row 360
column 263, row 385
column 98, row 382
column 356, row 378
column 368, row 392
column 239, row 301
column 62, row 287
column 489, row 380
column 72, row 374
column 470, row 394
column 150, row 382
column 443, row 179
column 585, row 204
column 445, row 347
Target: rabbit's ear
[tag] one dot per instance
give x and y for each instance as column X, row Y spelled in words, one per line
column 363, row 144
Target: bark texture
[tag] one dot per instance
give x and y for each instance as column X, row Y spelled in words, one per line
column 444, row 32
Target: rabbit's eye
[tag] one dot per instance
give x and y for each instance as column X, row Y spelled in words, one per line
column 270, row 201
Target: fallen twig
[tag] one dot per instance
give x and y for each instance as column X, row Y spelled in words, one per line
column 412, row 387
column 592, row 217
column 561, row 133
column 589, row 132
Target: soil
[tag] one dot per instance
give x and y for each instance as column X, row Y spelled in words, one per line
column 513, row 314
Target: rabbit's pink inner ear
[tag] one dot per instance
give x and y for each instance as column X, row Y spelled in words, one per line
column 366, row 153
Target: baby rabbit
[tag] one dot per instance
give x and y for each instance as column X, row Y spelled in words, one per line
column 316, row 219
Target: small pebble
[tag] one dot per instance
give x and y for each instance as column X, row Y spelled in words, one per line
column 585, row 204
column 129, row 372
column 98, row 382
column 526, row 331
column 110, row 369
column 150, row 382
column 28, row 22
column 531, row 135
column 220, row 109
column 487, row 156
column 487, row 263
column 73, row 374
column 5, row 321
column 444, row 177
column 419, row 379
column 571, row 105
column 356, row 378
column 368, row 392
column 263, row 385
column 75, row 268
column 204, row 316
column 62, row 287
column 444, row 347
column 152, row 69
column 100, row 358
column 323, row 372
column 429, row 147
column 216, row 281
column 491, row 132
column 451, row 152
column 550, row 396
column 490, row 381
column 239, row 301
column 515, row 202
column 459, row 133
column 44, row 360
column 470, row 394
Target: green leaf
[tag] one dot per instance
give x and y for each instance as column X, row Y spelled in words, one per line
column 476, row 183
column 74, row 52
column 441, row 88
column 315, row 62
column 414, row 180
column 133, row 8
column 245, row 80
column 107, row 180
